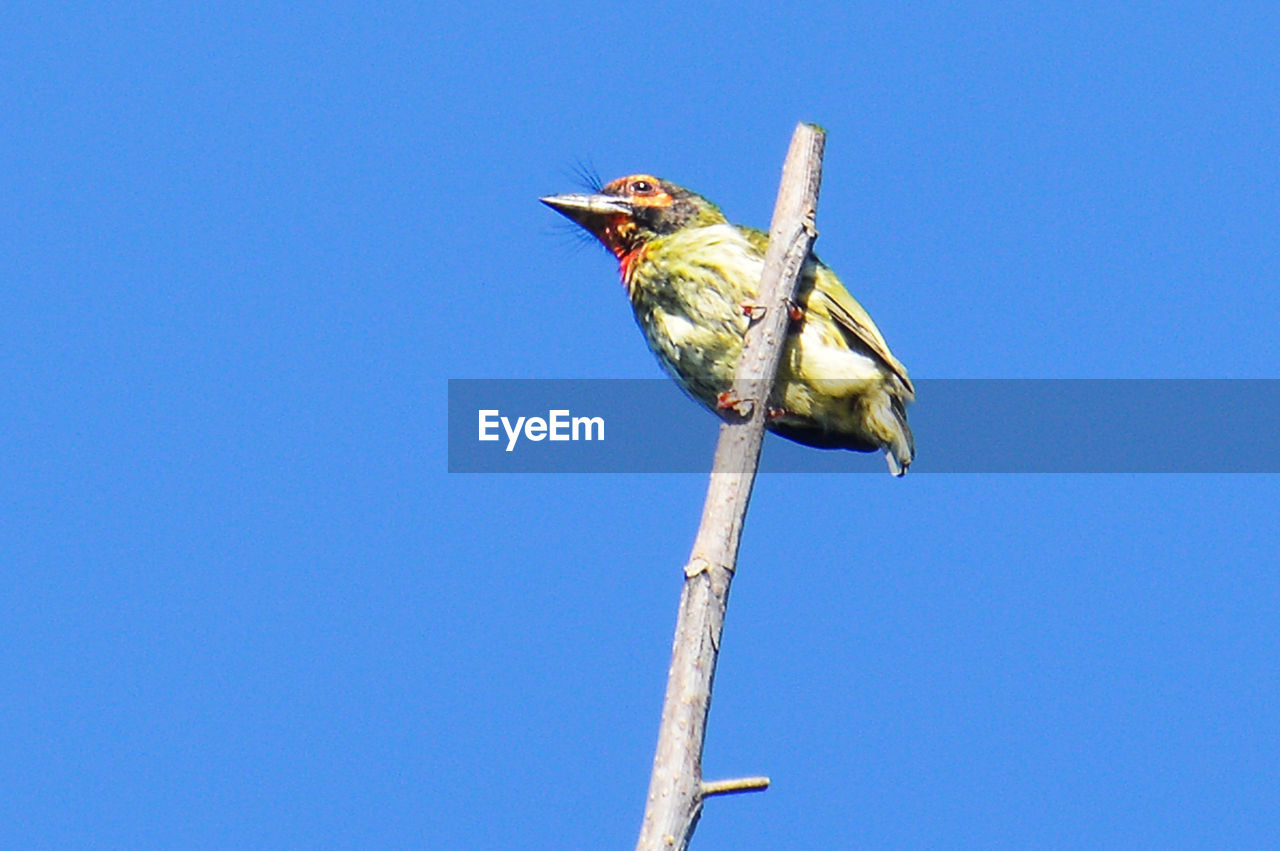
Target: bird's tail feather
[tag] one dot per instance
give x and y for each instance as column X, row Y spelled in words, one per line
column 900, row 446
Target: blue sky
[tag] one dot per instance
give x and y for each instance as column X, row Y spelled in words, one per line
column 245, row 605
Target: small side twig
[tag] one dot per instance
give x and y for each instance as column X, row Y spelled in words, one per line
column 676, row 790
column 734, row 787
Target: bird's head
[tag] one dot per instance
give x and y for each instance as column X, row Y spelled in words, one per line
column 630, row 211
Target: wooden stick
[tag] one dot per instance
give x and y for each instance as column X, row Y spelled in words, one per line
column 676, row 790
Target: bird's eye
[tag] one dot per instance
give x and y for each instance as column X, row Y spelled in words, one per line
column 642, row 187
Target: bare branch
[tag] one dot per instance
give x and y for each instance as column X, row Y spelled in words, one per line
column 733, row 787
column 676, row 790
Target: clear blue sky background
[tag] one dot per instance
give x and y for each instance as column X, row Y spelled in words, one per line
column 244, row 605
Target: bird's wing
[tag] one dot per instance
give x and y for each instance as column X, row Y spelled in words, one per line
column 830, row 295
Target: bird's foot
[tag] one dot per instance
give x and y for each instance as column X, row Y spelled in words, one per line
column 729, row 401
column 811, row 223
column 795, row 312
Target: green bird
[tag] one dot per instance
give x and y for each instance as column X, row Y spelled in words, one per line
column 692, row 279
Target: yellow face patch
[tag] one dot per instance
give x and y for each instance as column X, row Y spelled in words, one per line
column 619, row 233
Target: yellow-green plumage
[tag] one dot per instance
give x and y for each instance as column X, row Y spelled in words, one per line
column 689, row 274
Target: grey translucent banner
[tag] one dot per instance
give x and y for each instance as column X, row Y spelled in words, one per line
column 960, row 425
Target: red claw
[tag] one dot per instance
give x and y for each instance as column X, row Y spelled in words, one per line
column 728, row 401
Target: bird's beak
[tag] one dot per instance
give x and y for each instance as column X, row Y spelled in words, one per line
column 587, row 209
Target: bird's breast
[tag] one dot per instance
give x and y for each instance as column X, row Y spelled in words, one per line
column 687, row 291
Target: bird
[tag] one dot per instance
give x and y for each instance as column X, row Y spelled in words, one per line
column 692, row 278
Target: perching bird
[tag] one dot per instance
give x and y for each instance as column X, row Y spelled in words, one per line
column 692, row 278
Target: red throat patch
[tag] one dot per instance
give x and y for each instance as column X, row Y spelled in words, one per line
column 627, row 262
